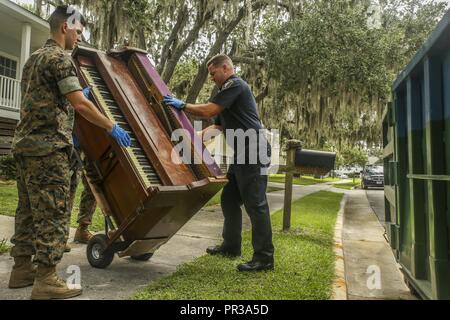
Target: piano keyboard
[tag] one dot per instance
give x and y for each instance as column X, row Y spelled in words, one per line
column 135, row 152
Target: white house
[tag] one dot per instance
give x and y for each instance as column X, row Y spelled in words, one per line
column 21, row 32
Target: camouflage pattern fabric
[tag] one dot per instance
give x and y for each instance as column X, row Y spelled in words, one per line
column 46, row 116
column 88, row 203
column 42, row 215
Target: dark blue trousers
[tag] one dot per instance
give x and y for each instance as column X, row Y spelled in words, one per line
column 248, row 187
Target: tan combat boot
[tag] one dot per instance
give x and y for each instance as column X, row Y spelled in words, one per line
column 67, row 248
column 47, row 285
column 22, row 274
column 82, row 235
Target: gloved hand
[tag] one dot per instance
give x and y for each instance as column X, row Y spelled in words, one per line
column 121, row 136
column 174, row 102
column 76, row 143
column 87, row 92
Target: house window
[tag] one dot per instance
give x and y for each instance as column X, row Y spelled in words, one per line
column 9, row 86
column 8, row 67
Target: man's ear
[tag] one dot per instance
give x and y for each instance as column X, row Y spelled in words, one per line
column 64, row 27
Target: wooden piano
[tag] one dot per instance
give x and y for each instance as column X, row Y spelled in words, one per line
column 146, row 197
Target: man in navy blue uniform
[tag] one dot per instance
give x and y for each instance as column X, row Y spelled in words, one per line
column 235, row 109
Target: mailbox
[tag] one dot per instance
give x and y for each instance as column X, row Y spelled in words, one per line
column 312, row 162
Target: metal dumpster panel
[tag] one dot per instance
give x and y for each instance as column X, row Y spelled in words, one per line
column 416, row 127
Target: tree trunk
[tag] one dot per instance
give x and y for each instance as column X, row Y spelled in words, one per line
column 142, row 43
column 202, row 17
column 173, row 38
column 38, row 7
column 202, row 73
column 260, row 97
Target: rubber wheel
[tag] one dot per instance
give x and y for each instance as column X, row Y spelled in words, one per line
column 142, row 257
column 96, row 255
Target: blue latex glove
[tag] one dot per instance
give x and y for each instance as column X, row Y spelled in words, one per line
column 87, row 92
column 174, row 102
column 121, row 136
column 76, row 143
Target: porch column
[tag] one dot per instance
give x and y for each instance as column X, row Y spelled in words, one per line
column 26, row 46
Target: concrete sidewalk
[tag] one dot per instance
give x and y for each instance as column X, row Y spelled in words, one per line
column 125, row 276
column 366, row 252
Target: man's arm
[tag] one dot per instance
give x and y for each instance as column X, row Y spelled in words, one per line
column 88, row 111
column 207, row 110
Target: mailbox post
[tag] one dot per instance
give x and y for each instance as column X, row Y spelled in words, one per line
column 291, row 148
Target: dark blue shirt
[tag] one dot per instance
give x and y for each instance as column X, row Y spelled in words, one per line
column 240, row 112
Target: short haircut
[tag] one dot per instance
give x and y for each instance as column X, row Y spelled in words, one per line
column 61, row 15
column 219, row 60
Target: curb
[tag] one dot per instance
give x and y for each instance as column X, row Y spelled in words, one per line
column 339, row 285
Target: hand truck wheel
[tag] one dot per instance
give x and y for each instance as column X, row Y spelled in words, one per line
column 96, row 254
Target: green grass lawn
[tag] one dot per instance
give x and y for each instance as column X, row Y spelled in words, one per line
column 303, row 181
column 4, row 247
column 304, row 262
column 349, row 185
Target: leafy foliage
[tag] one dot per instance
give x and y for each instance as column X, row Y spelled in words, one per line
column 321, row 70
column 351, row 157
column 332, row 70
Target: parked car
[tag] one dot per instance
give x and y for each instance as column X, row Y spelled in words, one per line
column 341, row 175
column 372, row 176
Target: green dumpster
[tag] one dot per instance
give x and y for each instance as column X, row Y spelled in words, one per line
column 416, row 137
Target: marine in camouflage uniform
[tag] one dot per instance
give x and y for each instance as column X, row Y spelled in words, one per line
column 42, row 147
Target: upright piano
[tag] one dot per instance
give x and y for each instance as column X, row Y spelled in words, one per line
column 146, row 192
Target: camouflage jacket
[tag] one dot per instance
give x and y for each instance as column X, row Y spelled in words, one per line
column 46, row 116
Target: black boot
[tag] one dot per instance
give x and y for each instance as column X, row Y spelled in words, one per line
column 223, row 251
column 255, row 265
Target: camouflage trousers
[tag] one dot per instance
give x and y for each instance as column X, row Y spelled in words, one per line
column 88, row 203
column 42, row 215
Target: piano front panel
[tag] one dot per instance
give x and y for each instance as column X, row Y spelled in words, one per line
column 150, row 132
column 154, row 89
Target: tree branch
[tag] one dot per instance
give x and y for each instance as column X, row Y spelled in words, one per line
column 222, row 36
column 179, row 25
column 247, row 60
column 262, row 95
column 203, row 15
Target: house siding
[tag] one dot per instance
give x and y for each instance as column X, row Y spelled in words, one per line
column 9, row 46
column 7, row 127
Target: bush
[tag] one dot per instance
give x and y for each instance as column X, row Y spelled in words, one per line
column 7, row 168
